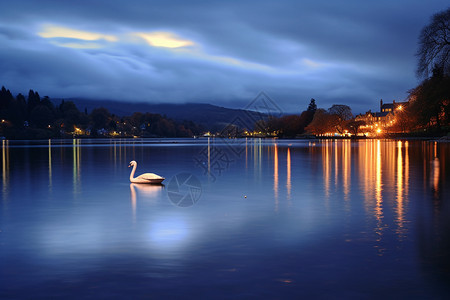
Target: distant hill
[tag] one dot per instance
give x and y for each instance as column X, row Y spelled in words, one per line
column 211, row 116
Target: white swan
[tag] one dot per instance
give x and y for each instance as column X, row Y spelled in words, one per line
column 144, row 178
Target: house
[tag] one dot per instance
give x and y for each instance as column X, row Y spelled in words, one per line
column 378, row 121
column 392, row 107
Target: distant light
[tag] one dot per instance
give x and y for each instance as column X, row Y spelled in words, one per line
column 400, row 107
column 379, row 130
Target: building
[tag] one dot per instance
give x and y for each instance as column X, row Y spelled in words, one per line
column 382, row 120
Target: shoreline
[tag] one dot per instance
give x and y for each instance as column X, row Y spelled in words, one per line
column 310, row 138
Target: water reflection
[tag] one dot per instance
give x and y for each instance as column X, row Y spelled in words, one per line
column 257, row 157
column 288, row 175
column 434, row 177
column 50, row 182
column 346, row 161
column 5, row 168
column 376, row 186
column 145, row 192
column 209, row 157
column 275, row 175
column 76, row 157
column 326, row 168
column 378, row 211
column 118, row 152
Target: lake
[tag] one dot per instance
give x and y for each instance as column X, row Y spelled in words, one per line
column 234, row 218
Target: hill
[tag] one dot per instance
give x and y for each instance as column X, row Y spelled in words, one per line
column 211, row 116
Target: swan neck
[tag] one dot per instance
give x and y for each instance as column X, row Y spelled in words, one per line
column 132, row 172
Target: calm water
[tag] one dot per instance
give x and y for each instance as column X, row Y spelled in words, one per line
column 273, row 219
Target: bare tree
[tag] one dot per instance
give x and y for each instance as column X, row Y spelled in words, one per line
column 342, row 113
column 353, row 126
column 434, row 45
column 322, row 122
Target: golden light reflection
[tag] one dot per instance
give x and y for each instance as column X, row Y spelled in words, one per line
column 246, row 154
column 118, row 153
column 406, row 191
column 50, row 165
column 76, row 155
column 435, row 168
column 346, row 158
column 164, row 39
column 326, row 169
column 364, row 171
column 434, row 171
column 5, row 168
column 288, row 175
column 400, row 210
column 209, row 159
column 275, row 175
column 336, row 164
column 114, row 149
column 378, row 211
column 257, row 157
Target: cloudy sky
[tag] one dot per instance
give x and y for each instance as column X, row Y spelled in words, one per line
column 220, row 52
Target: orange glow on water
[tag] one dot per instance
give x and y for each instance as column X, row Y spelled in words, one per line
column 400, row 189
column 346, row 155
column 275, row 174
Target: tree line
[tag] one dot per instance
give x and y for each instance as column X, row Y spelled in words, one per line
column 313, row 120
column 36, row 117
column 428, row 109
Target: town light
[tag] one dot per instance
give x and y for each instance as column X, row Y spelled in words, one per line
column 379, row 130
column 400, row 107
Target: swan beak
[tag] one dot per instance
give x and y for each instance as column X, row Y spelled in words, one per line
column 129, row 165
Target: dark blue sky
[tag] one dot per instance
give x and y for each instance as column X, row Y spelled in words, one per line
column 219, row 52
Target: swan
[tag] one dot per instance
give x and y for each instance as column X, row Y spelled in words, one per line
column 144, row 178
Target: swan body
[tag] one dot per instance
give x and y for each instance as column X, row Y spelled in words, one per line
column 144, row 178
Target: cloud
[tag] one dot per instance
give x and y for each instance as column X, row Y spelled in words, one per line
column 220, row 52
column 164, row 39
column 53, row 31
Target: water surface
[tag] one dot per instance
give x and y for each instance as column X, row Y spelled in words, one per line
column 271, row 219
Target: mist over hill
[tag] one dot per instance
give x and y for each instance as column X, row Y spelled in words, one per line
column 211, row 116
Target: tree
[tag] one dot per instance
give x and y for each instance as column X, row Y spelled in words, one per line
column 100, row 117
column 430, row 102
column 42, row 116
column 404, row 121
column 312, row 105
column 342, row 114
column 434, row 45
column 70, row 115
column 17, row 111
column 322, row 122
column 291, row 125
column 6, row 103
column 33, row 100
column 353, row 126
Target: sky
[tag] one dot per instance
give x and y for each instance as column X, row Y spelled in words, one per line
column 224, row 53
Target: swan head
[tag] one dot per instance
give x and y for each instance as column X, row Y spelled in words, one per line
column 132, row 163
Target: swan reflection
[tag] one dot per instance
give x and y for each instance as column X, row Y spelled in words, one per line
column 145, row 191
